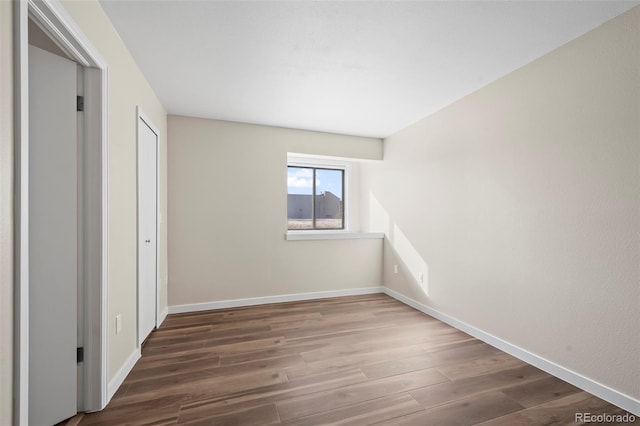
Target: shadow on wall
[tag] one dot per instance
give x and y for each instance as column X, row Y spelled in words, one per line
column 397, row 241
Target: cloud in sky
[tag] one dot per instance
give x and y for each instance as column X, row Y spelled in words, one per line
column 300, row 178
column 300, row 181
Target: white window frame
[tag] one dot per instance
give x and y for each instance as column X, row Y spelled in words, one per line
column 297, row 160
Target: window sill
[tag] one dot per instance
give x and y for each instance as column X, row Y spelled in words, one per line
column 331, row 235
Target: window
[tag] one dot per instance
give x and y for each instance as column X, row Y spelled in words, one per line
column 315, row 196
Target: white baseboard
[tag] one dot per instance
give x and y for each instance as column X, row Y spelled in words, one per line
column 163, row 316
column 613, row 396
column 194, row 307
column 114, row 384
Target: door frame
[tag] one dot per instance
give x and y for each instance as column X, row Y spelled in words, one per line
column 140, row 115
column 55, row 21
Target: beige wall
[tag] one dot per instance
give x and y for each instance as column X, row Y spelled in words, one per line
column 521, row 204
column 6, row 213
column 127, row 88
column 228, row 209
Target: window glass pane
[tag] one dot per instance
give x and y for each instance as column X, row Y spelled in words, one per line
column 299, row 198
column 328, row 201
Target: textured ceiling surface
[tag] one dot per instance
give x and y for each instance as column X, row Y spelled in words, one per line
column 365, row 68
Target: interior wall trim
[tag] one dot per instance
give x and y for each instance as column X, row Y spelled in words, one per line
column 235, row 303
column 600, row 390
column 163, row 316
column 123, row 372
column 55, row 21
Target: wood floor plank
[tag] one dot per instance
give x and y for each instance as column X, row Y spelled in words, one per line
column 171, row 349
column 262, row 415
column 540, row 391
column 366, row 413
column 443, row 393
column 390, row 358
column 276, row 352
column 146, row 372
column 205, row 384
column 390, row 337
column 356, row 360
column 334, row 360
column 348, row 395
column 287, row 320
column 359, row 334
column 471, row 352
column 246, row 345
column 479, row 365
column 187, row 331
column 331, row 328
column 264, row 395
column 398, row 366
column 210, row 335
column 200, row 369
column 558, row 412
column 152, row 361
column 149, row 411
column 231, row 326
column 465, row 412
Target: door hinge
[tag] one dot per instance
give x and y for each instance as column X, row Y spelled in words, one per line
column 79, row 103
column 79, row 355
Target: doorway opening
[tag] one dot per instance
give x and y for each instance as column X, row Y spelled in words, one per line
column 55, row 38
column 148, row 232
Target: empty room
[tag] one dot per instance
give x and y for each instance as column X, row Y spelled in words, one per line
column 319, row 212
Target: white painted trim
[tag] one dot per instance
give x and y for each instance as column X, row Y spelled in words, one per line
column 317, row 161
column 96, row 198
column 104, row 219
column 52, row 18
column 598, row 389
column 331, row 235
column 122, row 374
column 235, row 303
column 21, row 214
column 55, row 21
column 140, row 115
column 332, row 163
column 163, row 316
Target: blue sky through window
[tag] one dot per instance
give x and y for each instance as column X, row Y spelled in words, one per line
column 300, row 181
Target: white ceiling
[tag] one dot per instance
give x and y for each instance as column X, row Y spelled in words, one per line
column 365, row 68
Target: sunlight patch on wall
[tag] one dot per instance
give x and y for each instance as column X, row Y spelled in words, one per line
column 410, row 256
column 378, row 217
column 380, row 221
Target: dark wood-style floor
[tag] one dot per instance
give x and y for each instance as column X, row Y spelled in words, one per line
column 351, row 360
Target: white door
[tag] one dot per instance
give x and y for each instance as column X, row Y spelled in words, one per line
column 147, row 228
column 53, row 233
